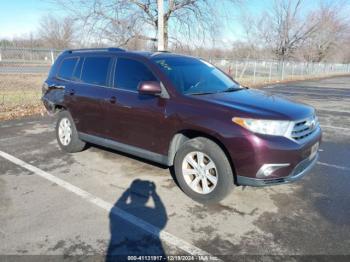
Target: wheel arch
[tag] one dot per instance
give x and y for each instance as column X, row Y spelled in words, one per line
column 59, row 107
column 184, row 135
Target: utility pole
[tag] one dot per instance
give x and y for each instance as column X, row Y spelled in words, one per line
column 160, row 25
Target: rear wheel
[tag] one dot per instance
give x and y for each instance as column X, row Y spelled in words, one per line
column 67, row 135
column 203, row 171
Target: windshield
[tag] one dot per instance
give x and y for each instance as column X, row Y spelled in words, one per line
column 194, row 76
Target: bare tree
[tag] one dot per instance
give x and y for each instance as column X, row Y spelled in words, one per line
column 248, row 47
column 284, row 28
column 293, row 29
column 119, row 21
column 330, row 35
column 55, row 32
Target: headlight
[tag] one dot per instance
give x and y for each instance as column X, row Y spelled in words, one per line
column 262, row 126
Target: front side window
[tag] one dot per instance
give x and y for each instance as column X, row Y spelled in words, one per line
column 193, row 76
column 129, row 73
column 95, row 70
column 67, row 68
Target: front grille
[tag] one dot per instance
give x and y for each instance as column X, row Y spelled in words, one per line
column 304, row 128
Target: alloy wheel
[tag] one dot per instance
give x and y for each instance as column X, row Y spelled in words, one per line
column 199, row 172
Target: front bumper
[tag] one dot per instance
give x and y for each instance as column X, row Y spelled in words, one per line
column 250, row 153
column 300, row 170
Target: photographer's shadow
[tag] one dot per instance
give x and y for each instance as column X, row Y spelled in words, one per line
column 142, row 201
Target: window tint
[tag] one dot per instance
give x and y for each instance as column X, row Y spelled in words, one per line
column 67, row 68
column 129, row 73
column 95, row 70
column 77, row 71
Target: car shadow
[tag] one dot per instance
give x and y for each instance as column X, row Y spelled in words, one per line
column 148, row 162
column 141, row 201
column 106, row 149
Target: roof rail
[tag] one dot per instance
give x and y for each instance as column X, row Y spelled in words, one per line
column 109, row 49
column 160, row 52
column 116, row 49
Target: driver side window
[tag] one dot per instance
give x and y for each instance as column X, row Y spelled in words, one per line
column 129, row 73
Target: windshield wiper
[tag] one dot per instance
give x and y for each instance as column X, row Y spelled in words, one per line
column 230, row 89
column 202, row 93
column 233, row 89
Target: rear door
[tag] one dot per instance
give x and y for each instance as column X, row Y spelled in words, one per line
column 133, row 118
column 87, row 93
column 66, row 79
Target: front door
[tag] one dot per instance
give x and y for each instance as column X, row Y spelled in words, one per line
column 132, row 118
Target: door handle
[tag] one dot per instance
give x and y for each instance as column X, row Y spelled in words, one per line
column 113, row 100
column 71, row 92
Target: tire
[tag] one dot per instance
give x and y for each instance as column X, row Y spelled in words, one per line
column 74, row 144
column 211, row 152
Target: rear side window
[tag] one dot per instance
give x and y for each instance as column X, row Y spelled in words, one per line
column 67, row 68
column 77, row 71
column 129, row 73
column 95, row 70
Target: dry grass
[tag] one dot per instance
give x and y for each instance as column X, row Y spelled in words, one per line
column 20, row 95
column 21, row 111
column 21, row 81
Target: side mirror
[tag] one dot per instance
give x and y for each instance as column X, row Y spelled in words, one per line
column 150, row 88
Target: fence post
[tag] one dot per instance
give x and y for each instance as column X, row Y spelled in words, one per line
column 254, row 72
column 315, row 69
column 312, row 68
column 236, row 73
column 52, row 57
column 302, row 69
column 319, row 68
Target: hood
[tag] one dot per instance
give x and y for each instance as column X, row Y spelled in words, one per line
column 259, row 104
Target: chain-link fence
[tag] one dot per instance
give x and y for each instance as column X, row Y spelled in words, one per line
column 257, row 72
column 23, row 70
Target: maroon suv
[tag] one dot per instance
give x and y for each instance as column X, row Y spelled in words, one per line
column 184, row 112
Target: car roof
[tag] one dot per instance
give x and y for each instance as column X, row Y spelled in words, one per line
column 146, row 54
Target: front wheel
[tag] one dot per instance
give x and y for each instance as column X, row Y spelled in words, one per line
column 203, row 171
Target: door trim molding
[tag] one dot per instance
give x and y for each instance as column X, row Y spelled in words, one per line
column 132, row 150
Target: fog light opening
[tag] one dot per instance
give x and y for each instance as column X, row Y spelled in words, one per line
column 267, row 169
